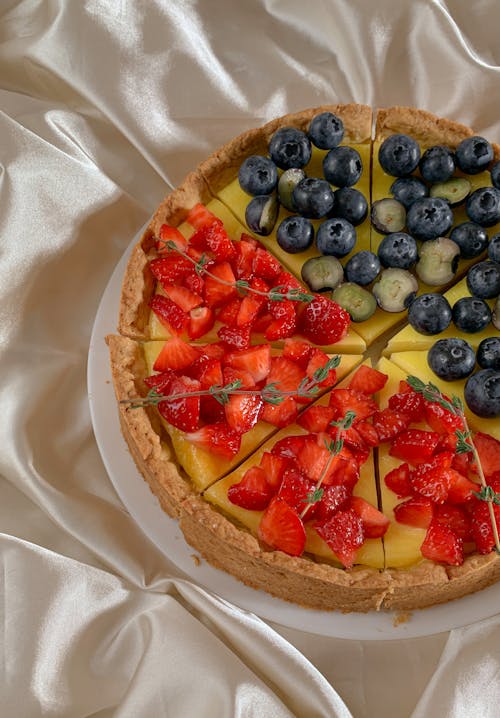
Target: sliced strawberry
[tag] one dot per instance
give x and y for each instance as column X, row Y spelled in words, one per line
column 199, row 216
column 456, row 519
column 265, row 265
column 344, row 400
column 211, row 410
column 462, row 462
column 212, row 351
column 398, row 480
column 316, row 418
column 210, row 373
column 323, row 321
column 237, row 338
column 368, row 432
column 281, row 528
column 388, row 423
column 252, row 492
column 256, row 360
column 433, row 479
column 175, row 354
column 243, row 259
column 441, row 419
column 442, row 545
column 414, row 445
column 217, row 438
column 375, row 523
column 482, row 528
column 274, row 467
column 183, row 297
column 343, row 533
column 170, row 268
column 242, row 411
column 317, row 360
column 249, row 309
column 285, row 374
column 194, row 282
column 367, row 380
column 287, row 281
column 228, row 313
column 488, row 449
column 298, row 351
column 183, row 413
column 294, row 488
column 289, row 447
column 170, row 315
column 201, row 320
column 409, row 403
column 313, row 457
column 352, row 439
column 333, row 498
column 282, row 414
column 461, row 490
column 219, row 288
column 261, row 323
column 231, row 374
column 281, row 328
column 160, row 382
column 417, row 511
column 213, row 237
column 170, row 234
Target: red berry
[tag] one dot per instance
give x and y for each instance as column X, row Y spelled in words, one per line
column 252, row 492
column 183, row 413
column 488, row 449
column 417, row 512
column 414, row 445
column 343, row 533
column 398, row 480
column 281, row 528
column 388, row 423
column 368, row 380
column 169, row 314
column 175, row 354
column 323, row 321
column 344, row 400
column 442, row 545
column 217, row 438
column 375, row 523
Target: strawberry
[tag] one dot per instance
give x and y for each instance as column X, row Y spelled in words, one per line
column 183, row 297
column 389, row 423
column 281, row 528
column 481, row 526
column 230, row 374
column 217, row 438
column 274, row 467
column 317, row 360
column 488, row 449
column 248, row 311
column 175, row 354
column 242, row 411
column 282, row 414
column 442, row 545
column 313, row 457
column 256, row 360
column 417, row 512
column 213, row 237
column 263, row 320
column 461, row 489
column 455, row 518
column 409, row 403
column 220, row 287
column 183, row 413
column 316, row 418
column 160, row 382
column 298, row 351
column 170, row 268
column 333, row 498
column 441, row 419
column 237, row 338
column 343, row 533
column 243, row 260
column 212, row 351
column 265, row 265
column 375, row 523
column 199, row 216
column 352, row 439
column 284, row 321
column 287, row 281
column 462, row 462
column 398, row 480
column 294, row 488
column 252, row 492
column 289, row 447
column 194, row 282
column 367, row 380
column 170, row 234
column 344, row 469
column 285, row 374
column 433, row 479
column 368, row 433
column 343, row 400
column 210, row 373
column 323, row 321
column 228, row 313
column 211, row 410
column 201, row 320
column 169, row 314
column 414, row 445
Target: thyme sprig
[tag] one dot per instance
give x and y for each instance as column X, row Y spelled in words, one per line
column 334, row 447
column 465, row 444
column 275, row 294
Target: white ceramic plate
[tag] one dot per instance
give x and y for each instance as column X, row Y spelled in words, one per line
column 166, row 535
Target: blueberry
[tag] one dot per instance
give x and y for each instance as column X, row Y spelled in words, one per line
column 437, row 164
column 488, row 353
column 290, row 148
column 326, row 130
column 398, row 250
column 483, row 280
column 408, row 189
column 482, row 393
column 473, row 155
column 362, row 268
column 495, row 175
column 429, row 314
column 471, row 314
column 294, row 234
column 471, row 238
column 261, row 214
column 483, row 206
column 494, row 248
column 350, row 204
column 258, row 175
column 388, row 215
column 313, row 197
column 429, row 218
column 336, row 237
column 454, row 190
column 286, row 184
column 399, row 155
column 342, row 166
column 451, row 359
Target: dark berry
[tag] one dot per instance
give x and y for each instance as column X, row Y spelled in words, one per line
column 483, row 206
column 313, row 197
column 429, row 218
column 408, row 189
column 483, row 280
column 261, row 214
column 286, row 184
column 295, row 234
column 326, row 130
column 398, row 250
column 437, row 164
column 454, row 190
column 290, row 148
column 473, row 155
column 342, row 166
column 471, row 238
column 336, row 237
column 429, row 314
column 488, row 353
column 399, row 155
column 350, row 204
column 471, row 314
column 494, row 248
column 362, row 268
column 482, row 393
column 495, row 175
column 258, row 175
column 451, row 359
column 388, row 215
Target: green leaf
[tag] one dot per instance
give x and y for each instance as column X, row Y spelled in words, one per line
column 314, row 496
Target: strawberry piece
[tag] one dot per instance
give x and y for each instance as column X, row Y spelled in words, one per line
column 237, row 338
column 201, row 320
column 389, row 423
column 160, row 382
column 265, row 265
column 442, row 545
column 228, row 313
column 214, row 238
column 284, row 326
column 261, row 323
column 409, row 403
column 217, row 438
column 333, row 498
column 294, row 488
column 199, row 216
column 414, row 445
column 289, row 447
column 183, row 413
column 212, row 351
column 462, row 462
column 461, row 489
column 313, row 457
column 441, row 419
column 183, row 297
column 242, row 411
column 323, row 321
column 488, row 449
column 368, row 433
column 170, row 315
column 252, row 492
column 417, row 511
column 175, row 354
column 298, row 351
column 285, row 374
column 282, row 414
column 243, row 259
column 256, row 360
column 398, row 480
column 248, row 311
column 343, row 533
column 344, row 469
column 170, row 234
column 230, row 374
column 274, row 467
column 210, row 373
column 481, row 526
column 287, row 281
column 352, row 439
column 211, row 410
column 343, row 400
column 220, row 287
column 456, row 519
column 316, row 418
column 281, row 528
column 375, row 523
column 194, row 282
column 367, row 380
column 433, row 479
column 317, row 360
column 170, row 268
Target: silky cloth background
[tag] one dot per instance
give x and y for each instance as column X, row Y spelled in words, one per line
column 105, row 106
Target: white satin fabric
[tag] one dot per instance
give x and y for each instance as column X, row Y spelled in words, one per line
column 105, row 106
